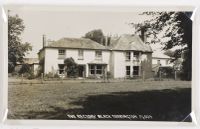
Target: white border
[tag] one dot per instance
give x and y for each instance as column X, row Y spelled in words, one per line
column 97, row 5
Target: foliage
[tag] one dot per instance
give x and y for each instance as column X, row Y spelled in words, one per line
column 169, row 53
column 11, row 67
column 31, row 75
column 56, row 76
column 16, row 49
column 49, row 75
column 25, row 69
column 172, row 30
column 96, row 35
column 72, row 67
column 52, row 75
column 166, row 72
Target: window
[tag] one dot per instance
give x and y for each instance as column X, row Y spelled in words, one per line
column 61, row 68
column 135, row 70
column 128, row 71
column 80, row 54
column 128, row 56
column 61, row 54
column 98, row 54
column 96, row 69
column 136, row 55
column 92, row 69
column 99, row 69
column 158, row 62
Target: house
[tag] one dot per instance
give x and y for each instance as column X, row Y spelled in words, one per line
column 32, row 63
column 125, row 56
column 159, row 59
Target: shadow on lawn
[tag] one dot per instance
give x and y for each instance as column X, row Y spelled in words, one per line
column 162, row 105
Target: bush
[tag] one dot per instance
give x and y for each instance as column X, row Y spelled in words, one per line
column 31, row 75
column 56, row 76
column 166, row 72
column 49, row 75
column 72, row 67
column 25, row 69
column 11, row 67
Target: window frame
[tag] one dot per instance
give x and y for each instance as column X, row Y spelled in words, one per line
column 92, row 69
column 98, row 54
column 80, row 54
column 61, row 55
column 127, row 55
column 128, row 75
column 136, row 57
column 95, row 69
column 99, row 69
column 138, row 71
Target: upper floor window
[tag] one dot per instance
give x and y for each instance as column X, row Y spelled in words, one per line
column 80, row 54
column 128, row 56
column 136, row 55
column 61, row 54
column 98, row 54
column 158, row 62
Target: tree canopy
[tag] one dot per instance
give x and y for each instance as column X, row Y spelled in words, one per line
column 173, row 30
column 169, row 53
column 16, row 49
column 96, row 35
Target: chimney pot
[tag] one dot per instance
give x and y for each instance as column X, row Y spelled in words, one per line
column 44, row 41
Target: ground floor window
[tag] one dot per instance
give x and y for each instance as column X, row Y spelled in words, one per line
column 99, row 69
column 61, row 68
column 128, row 71
column 92, row 69
column 96, row 69
column 135, row 70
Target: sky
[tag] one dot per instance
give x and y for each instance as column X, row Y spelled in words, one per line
column 72, row 23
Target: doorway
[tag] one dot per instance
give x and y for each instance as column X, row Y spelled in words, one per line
column 81, row 70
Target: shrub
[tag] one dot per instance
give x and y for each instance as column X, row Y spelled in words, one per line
column 56, row 76
column 72, row 67
column 25, row 69
column 31, row 75
column 49, row 75
column 11, row 67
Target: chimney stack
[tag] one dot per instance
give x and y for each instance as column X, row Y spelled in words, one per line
column 143, row 35
column 44, row 40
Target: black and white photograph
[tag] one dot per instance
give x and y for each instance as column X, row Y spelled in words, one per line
column 99, row 65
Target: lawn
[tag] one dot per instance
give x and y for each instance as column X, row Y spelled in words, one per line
column 163, row 100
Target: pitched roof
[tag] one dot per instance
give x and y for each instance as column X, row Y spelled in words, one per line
column 160, row 54
column 130, row 42
column 29, row 61
column 83, row 43
column 124, row 42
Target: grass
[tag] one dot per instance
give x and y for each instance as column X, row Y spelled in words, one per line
column 164, row 100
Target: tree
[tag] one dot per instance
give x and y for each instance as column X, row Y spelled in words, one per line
column 172, row 30
column 96, row 35
column 16, row 49
column 169, row 53
column 72, row 67
column 25, row 69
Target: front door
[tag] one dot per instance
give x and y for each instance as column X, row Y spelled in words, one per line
column 81, row 70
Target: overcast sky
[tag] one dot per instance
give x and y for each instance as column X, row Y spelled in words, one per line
column 59, row 24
